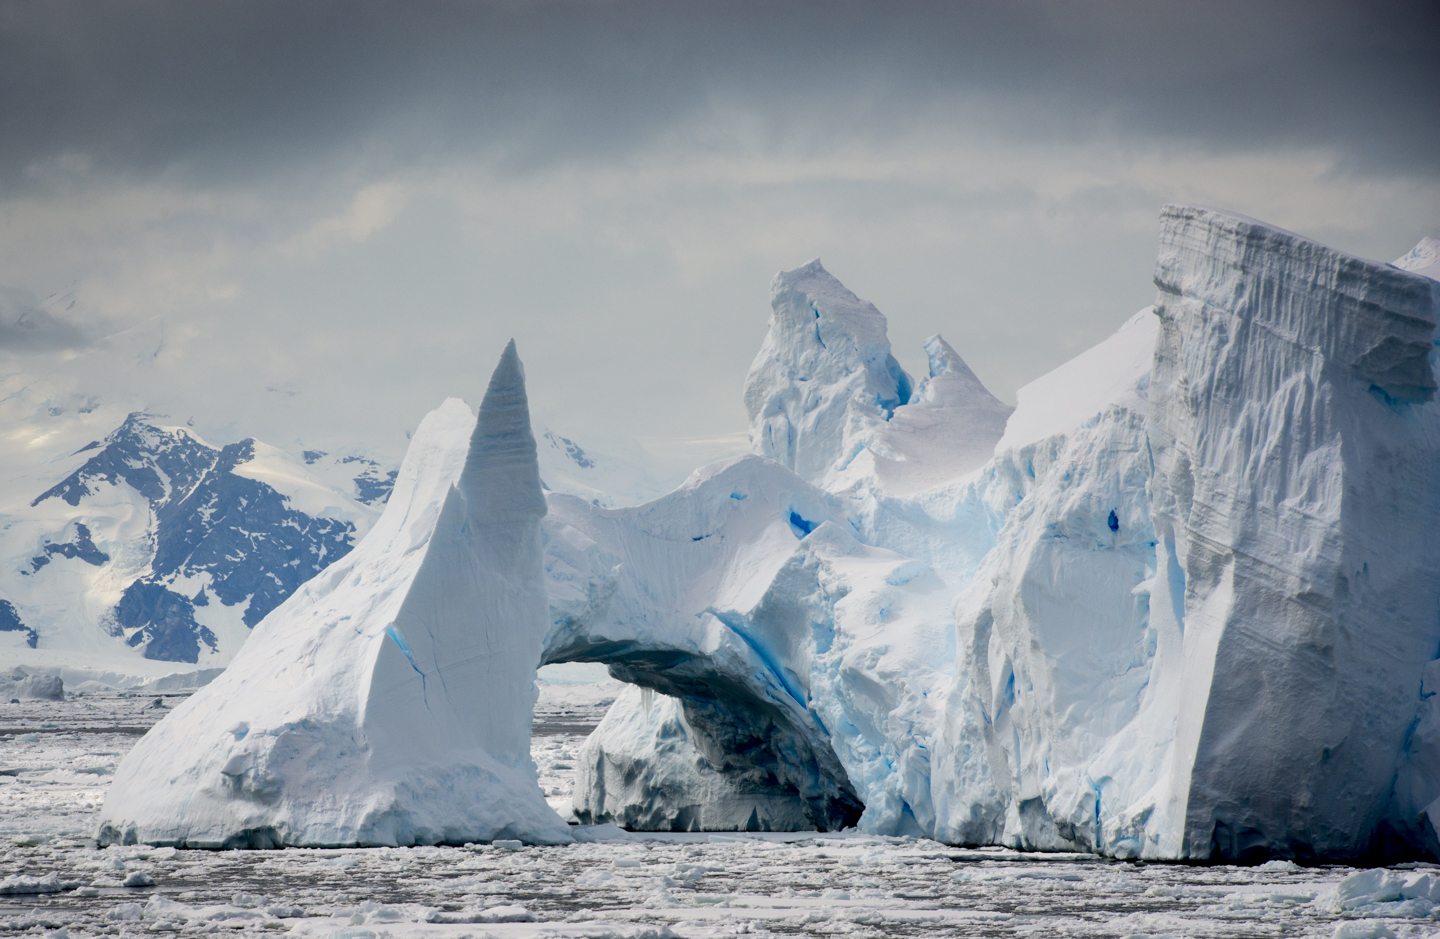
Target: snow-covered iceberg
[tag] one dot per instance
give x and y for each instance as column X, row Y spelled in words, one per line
column 389, row 700
column 1202, row 629
column 1182, row 603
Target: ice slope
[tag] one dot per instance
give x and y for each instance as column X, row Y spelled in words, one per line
column 1297, row 449
column 389, row 701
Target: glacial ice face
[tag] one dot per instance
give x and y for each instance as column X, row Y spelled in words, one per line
column 1295, row 443
column 389, row 700
column 824, row 379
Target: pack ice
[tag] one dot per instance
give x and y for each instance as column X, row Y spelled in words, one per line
column 389, row 700
column 1178, row 604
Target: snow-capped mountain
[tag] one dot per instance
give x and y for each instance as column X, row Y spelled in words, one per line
column 163, row 545
column 600, row 477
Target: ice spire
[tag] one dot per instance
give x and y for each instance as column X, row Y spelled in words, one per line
column 389, row 700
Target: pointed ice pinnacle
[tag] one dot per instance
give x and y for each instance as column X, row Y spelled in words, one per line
column 824, row 369
column 389, row 700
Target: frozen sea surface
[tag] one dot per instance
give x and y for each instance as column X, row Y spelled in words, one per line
column 57, row 759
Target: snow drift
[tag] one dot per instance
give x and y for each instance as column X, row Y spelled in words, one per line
column 387, row 702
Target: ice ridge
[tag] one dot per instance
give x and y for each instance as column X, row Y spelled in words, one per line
column 824, row 377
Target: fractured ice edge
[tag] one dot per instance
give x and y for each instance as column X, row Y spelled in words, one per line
column 1182, row 603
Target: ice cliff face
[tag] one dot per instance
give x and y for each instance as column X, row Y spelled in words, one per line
column 1044, row 734
column 389, row 701
column 1297, row 449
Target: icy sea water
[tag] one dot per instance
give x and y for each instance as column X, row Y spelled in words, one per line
column 57, row 759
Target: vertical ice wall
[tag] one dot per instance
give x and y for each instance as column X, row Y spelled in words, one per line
column 389, row 700
column 1295, row 494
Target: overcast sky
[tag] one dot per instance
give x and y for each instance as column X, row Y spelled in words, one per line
column 311, row 222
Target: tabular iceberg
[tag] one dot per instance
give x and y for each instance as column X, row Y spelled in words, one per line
column 389, row 700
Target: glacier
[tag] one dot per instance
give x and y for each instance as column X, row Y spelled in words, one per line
column 1178, row 605
column 389, row 701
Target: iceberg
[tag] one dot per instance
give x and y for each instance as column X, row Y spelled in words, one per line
column 786, row 642
column 1178, row 605
column 1181, row 602
column 389, row 700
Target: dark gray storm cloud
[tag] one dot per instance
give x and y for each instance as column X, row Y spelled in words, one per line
column 219, row 92
column 309, row 221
